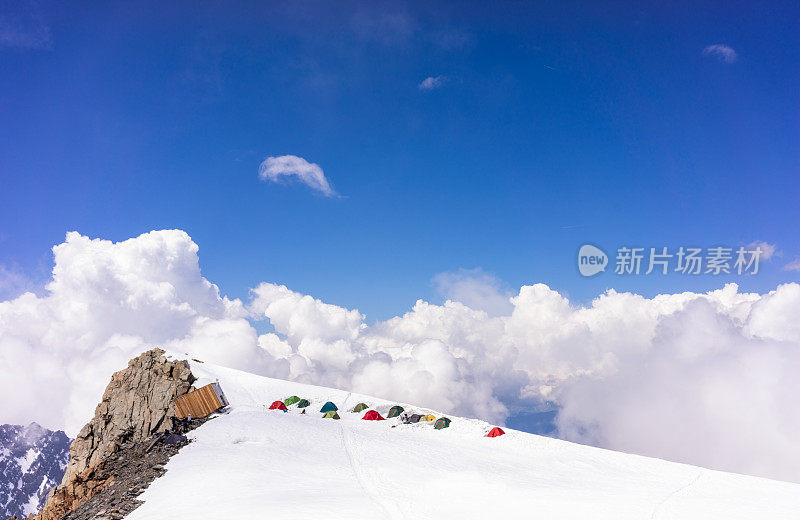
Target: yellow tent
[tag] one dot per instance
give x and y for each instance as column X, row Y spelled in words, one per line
column 428, row 418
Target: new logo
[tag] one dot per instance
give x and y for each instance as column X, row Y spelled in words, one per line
column 591, row 260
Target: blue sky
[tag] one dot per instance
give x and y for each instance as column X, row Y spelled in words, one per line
column 548, row 127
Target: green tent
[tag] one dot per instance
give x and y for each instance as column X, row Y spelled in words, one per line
column 394, row 411
column 291, row 400
column 302, row 403
column 360, row 407
column 327, row 407
column 331, row 415
column 442, row 423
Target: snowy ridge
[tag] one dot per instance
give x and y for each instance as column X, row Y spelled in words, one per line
column 32, row 461
column 252, row 461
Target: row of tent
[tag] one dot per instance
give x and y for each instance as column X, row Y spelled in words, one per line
column 330, row 411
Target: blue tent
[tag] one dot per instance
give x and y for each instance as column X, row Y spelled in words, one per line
column 327, row 407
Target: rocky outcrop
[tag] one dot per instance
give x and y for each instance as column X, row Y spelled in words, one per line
column 136, row 404
column 128, row 474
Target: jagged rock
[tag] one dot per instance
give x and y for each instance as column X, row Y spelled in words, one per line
column 136, row 403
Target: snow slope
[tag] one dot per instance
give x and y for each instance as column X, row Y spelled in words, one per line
column 252, row 462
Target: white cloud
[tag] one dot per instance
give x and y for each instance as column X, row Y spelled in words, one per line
column 703, row 378
column 105, row 303
column 278, row 169
column 794, row 265
column 630, row 373
column 705, row 392
column 432, row 82
column 722, row 52
column 774, row 317
column 767, row 249
column 13, row 282
column 476, row 289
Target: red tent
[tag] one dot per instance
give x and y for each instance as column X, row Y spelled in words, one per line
column 372, row 415
column 496, row 432
column 277, row 405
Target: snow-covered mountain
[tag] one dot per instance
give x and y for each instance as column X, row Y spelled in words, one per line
column 32, row 460
column 252, row 462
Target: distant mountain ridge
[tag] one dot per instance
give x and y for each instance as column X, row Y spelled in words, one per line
column 32, row 461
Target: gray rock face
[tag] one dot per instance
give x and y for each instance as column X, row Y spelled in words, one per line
column 32, row 461
column 129, row 473
column 137, row 403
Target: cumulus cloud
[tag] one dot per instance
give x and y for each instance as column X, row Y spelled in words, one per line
column 286, row 167
column 702, row 378
column 721, row 52
column 705, row 392
column 432, row 82
column 106, row 303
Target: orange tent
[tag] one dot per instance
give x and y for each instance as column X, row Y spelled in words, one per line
column 372, row 415
column 277, row 405
column 496, row 432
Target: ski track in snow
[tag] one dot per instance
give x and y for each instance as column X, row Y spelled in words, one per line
column 389, row 508
column 660, row 505
column 369, row 488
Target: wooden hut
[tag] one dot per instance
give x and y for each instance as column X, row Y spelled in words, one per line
column 200, row 402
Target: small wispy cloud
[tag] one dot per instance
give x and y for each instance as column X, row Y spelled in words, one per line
column 22, row 26
column 721, row 52
column 432, row 82
column 794, row 265
column 13, row 282
column 452, row 39
column 767, row 249
column 477, row 289
column 290, row 167
column 372, row 23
